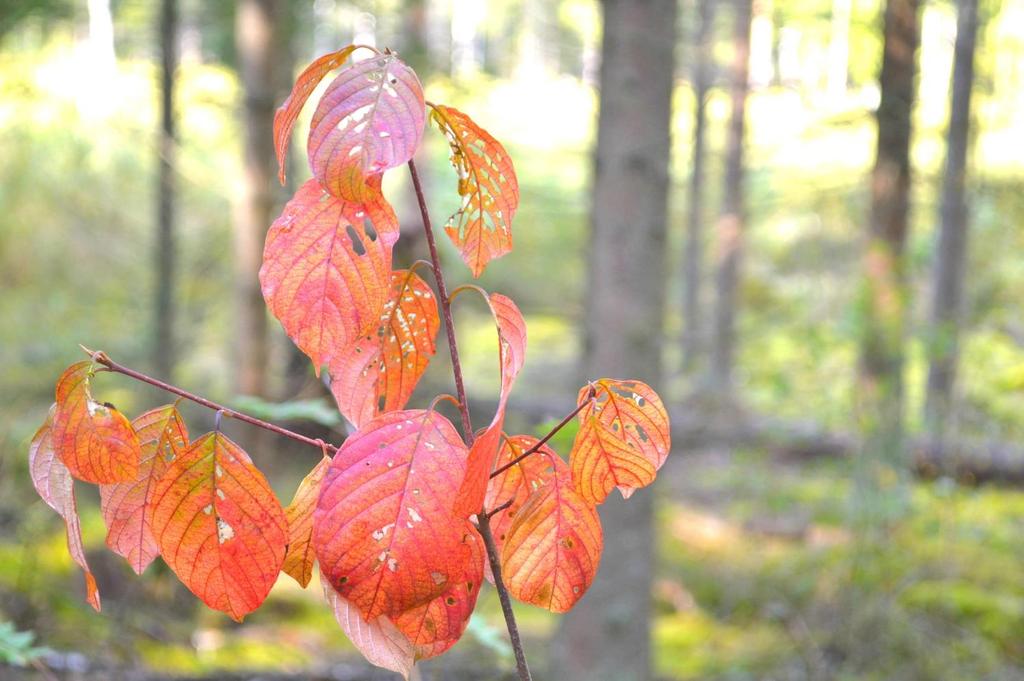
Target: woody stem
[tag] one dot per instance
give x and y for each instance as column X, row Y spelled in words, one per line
column 483, row 520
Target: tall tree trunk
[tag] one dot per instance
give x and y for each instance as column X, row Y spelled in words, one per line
column 607, row 636
column 694, row 255
column 732, row 220
column 257, row 39
column 839, row 50
column 164, row 349
column 880, row 384
column 951, row 247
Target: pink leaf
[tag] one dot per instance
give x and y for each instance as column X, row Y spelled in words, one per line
column 54, row 483
column 370, row 119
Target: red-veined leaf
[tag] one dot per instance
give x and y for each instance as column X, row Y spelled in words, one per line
column 511, row 356
column 623, row 439
column 94, row 440
column 127, row 506
column 55, row 485
column 437, row 626
column 370, row 119
column 515, row 483
column 298, row 560
column 383, row 529
column 482, row 228
column 219, row 525
column 288, row 112
column 378, row 639
column 325, row 276
column 552, row 550
column 379, row 372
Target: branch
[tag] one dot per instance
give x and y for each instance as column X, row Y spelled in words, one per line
column 446, row 306
column 101, row 357
column 483, row 520
column 540, row 443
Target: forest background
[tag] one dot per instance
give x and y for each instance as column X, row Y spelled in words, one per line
column 846, row 385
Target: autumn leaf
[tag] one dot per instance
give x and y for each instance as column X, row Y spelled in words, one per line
column 370, row 119
column 54, row 483
column 379, row 372
column 383, row 529
column 288, row 112
column 219, row 525
column 511, row 356
column 482, row 228
column 553, row 547
column 515, row 483
column 378, row 639
column 326, row 270
column 298, row 560
column 127, row 506
column 435, row 627
column 623, row 439
column 95, row 441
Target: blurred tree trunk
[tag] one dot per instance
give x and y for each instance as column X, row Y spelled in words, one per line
column 607, row 636
column 884, row 302
column 694, row 255
column 839, row 50
column 731, row 221
column 414, row 51
column 164, row 349
column 258, row 41
column 951, row 249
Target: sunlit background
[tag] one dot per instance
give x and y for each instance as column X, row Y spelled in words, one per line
column 754, row 550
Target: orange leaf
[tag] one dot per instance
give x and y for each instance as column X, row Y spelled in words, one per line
column 623, row 439
column 219, row 525
column 436, row 626
column 482, row 228
column 298, row 560
column 515, row 483
column 288, row 112
column 511, row 356
column 379, row 372
column 325, row 276
column 54, row 483
column 370, row 119
column 95, row 441
column 378, row 639
column 383, row 529
column 553, row 548
column 127, row 506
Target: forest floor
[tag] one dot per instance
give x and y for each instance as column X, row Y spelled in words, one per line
column 757, row 577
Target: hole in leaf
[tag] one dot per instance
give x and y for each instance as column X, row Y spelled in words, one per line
column 450, row 600
column 357, row 243
column 370, row 230
column 642, row 433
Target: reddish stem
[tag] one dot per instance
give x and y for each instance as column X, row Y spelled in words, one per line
column 102, row 358
column 483, row 520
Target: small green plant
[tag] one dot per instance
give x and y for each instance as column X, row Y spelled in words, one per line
column 16, row 646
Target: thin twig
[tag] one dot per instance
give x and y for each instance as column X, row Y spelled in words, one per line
column 483, row 521
column 540, row 443
column 484, row 526
column 101, row 357
column 499, row 508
